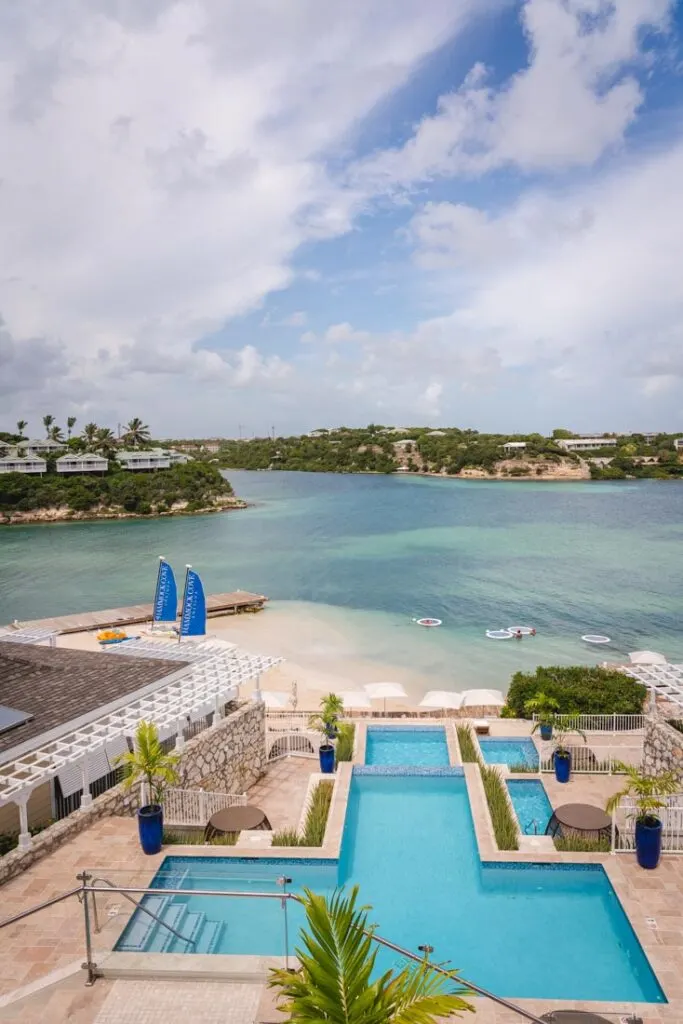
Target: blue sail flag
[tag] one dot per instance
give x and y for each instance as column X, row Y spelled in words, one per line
column 166, row 597
column 193, row 617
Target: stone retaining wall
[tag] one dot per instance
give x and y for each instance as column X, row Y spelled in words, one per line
column 662, row 747
column 229, row 759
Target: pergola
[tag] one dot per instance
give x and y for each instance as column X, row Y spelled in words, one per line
column 204, row 686
column 662, row 680
column 28, row 635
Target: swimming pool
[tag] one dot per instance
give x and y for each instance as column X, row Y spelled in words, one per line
column 531, row 804
column 523, row 931
column 509, row 750
column 417, row 746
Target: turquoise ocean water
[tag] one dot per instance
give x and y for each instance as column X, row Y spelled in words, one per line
column 368, row 554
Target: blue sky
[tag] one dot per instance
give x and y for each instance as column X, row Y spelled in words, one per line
column 459, row 212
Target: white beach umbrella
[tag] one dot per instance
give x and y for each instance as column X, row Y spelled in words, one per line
column 647, row 658
column 274, row 699
column 384, row 691
column 441, row 699
column 477, row 698
column 354, row 699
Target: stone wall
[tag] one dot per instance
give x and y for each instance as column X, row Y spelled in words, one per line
column 662, row 747
column 229, row 758
column 225, row 759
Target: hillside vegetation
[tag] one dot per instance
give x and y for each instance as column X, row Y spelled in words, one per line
column 452, row 452
column 193, row 487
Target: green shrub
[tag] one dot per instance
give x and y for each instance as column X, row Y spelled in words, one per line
column 575, row 844
column 345, row 739
column 578, row 690
column 468, row 749
column 287, row 837
column 176, row 837
column 318, row 811
column 522, row 769
column 504, row 824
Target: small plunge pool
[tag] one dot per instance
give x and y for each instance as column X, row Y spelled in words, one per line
column 531, row 804
column 509, row 750
column 419, row 746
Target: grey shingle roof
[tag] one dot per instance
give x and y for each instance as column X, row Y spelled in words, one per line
column 56, row 685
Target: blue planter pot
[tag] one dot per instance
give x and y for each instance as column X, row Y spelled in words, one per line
column 563, row 768
column 326, row 755
column 546, row 732
column 151, row 828
column 648, row 842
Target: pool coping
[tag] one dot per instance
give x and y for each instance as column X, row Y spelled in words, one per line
column 488, row 853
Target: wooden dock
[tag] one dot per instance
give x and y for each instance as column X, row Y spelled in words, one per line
column 216, row 604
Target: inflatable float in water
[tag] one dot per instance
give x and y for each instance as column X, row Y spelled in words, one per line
column 428, row 622
column 499, row 634
column 596, row 638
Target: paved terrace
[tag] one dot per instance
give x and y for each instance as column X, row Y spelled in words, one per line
column 32, row 951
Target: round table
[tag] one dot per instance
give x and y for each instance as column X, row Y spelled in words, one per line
column 236, row 819
column 584, row 820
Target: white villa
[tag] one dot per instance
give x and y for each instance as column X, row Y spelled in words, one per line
column 155, row 458
column 43, row 447
column 86, row 462
column 678, row 443
column 586, row 444
column 15, row 463
column 514, row 446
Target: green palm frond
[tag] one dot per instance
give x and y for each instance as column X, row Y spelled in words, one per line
column 335, row 983
column 149, row 762
column 645, row 790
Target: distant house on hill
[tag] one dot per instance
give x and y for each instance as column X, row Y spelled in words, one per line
column 678, row 443
column 586, row 444
column 156, row 458
column 514, row 446
column 87, row 462
column 44, row 446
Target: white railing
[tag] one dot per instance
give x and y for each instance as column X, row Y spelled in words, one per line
column 195, row 806
column 602, row 723
column 593, row 758
column 624, row 826
column 287, row 721
column 292, row 744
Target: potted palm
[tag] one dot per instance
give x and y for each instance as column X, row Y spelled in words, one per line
column 151, row 764
column 337, row 981
column 545, row 708
column 646, row 792
column 562, row 755
column 326, row 721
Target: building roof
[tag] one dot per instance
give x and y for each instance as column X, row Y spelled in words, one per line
column 515, row 444
column 81, row 457
column 45, row 442
column 57, row 686
column 30, row 457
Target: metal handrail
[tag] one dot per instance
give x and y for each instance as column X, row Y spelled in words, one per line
column 40, row 906
column 284, row 896
column 136, row 903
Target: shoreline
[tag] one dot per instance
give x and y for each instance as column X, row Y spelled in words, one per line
column 38, row 517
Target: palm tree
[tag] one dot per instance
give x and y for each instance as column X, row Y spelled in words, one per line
column 21, row 426
column 645, row 791
column 90, row 433
column 70, row 424
column 55, row 434
column 105, row 441
column 47, row 423
column 335, row 980
column 149, row 763
column 137, row 432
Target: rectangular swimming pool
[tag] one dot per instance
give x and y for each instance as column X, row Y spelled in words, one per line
column 418, row 746
column 509, row 750
column 531, row 804
column 523, row 931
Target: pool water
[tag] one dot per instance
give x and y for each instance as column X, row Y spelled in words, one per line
column 417, row 747
column 509, row 751
column 531, row 804
column 531, row 931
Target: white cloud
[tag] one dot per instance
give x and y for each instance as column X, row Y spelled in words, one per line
column 574, row 100
column 162, row 162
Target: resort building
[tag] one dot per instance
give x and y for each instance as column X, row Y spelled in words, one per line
column 514, row 446
column 176, row 458
column 586, row 444
column 29, row 463
column 678, row 443
column 44, row 447
column 88, row 462
column 156, row 458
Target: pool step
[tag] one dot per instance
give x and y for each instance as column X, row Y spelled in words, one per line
column 189, row 927
column 173, row 916
column 140, row 927
column 209, row 937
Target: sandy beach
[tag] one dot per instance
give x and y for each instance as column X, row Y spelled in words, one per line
column 319, row 657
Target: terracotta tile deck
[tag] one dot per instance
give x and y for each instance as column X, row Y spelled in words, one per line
column 280, row 793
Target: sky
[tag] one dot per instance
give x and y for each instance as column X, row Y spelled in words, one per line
column 228, row 218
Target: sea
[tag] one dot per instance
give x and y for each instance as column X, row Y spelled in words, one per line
column 368, row 555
